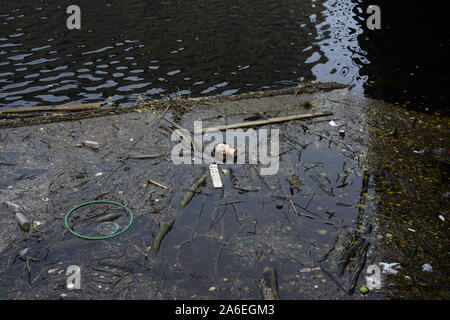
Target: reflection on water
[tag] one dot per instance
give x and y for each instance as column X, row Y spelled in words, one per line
column 337, row 33
column 126, row 52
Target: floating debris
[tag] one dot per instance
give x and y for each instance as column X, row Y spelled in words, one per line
column 268, row 284
column 23, row 222
column 388, row 267
column 158, row 184
column 90, row 144
column 191, row 192
column 215, row 176
column 364, row 290
column 164, row 228
column 310, row 269
column 427, row 268
column 14, row 207
column 108, row 228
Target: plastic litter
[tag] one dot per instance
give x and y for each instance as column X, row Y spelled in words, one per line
column 427, row 268
column 215, row 175
column 388, row 267
column 422, row 151
column 23, row 252
column 23, row 222
column 108, row 228
column 14, row 207
column 37, row 223
column 90, row 144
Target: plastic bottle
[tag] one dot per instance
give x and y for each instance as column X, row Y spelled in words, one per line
column 23, row 222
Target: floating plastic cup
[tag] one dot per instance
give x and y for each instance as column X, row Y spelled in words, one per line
column 108, row 228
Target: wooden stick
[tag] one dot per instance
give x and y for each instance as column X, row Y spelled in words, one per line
column 146, row 156
column 263, row 122
column 164, row 228
column 158, row 184
column 191, row 192
column 67, row 107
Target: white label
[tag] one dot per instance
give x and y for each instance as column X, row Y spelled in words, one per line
column 215, row 176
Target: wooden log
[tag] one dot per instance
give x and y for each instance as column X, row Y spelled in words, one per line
column 164, row 228
column 264, row 122
column 191, row 192
column 60, row 108
column 268, row 284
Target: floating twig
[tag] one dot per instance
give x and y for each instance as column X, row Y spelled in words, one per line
column 158, row 184
column 191, row 192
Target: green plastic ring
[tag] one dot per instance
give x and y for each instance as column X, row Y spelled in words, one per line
column 66, row 220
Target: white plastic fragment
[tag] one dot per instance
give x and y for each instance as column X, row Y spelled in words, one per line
column 23, row 252
column 215, row 175
column 412, row 230
column 332, row 123
column 422, row 151
column 441, row 217
column 388, row 267
column 427, row 268
column 90, row 144
column 310, row 269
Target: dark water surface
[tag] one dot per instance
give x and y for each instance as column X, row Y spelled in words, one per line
column 135, row 49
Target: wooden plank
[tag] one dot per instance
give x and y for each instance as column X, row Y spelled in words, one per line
column 66, row 107
column 263, row 122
